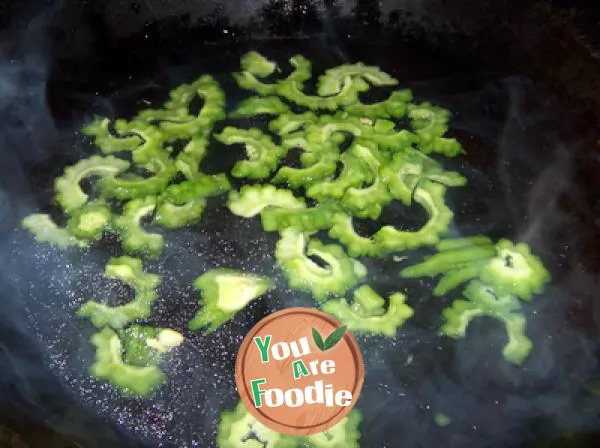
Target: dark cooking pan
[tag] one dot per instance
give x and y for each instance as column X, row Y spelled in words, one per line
column 521, row 79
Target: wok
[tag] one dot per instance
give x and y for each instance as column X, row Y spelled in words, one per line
column 521, row 80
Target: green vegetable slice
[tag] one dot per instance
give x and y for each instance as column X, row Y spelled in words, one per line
column 252, row 200
column 145, row 346
column 515, row 271
column 408, row 168
column 240, row 429
column 152, row 139
column 134, row 186
column 483, row 300
column 293, row 253
column 172, row 216
column 302, row 219
column 45, row 230
column 367, row 313
column 69, row 194
column 128, row 227
column 344, row 434
column 263, row 154
column 109, row 366
column 189, row 159
column 431, row 196
column 348, row 94
column 201, row 186
column 129, row 271
column 395, row 106
column 256, row 105
column 256, row 64
column 354, row 173
column 430, row 123
column 333, row 80
column 99, row 129
column 449, row 259
column 342, row 229
column 319, row 170
column 287, row 123
column 90, row 221
column 224, row 293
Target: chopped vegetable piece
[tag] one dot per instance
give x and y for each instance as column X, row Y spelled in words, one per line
column 304, row 219
column 240, row 429
column 99, row 128
column 258, row 65
column 458, row 243
column 430, row 123
column 201, row 186
column 134, row 186
column 128, row 226
column 109, row 366
column 356, row 245
column 456, row 277
column 408, row 168
column 431, row 196
column 171, row 216
column 69, row 194
column 353, row 174
column 251, row 200
column 395, row 106
column 293, row 254
column 263, row 154
column 129, row 271
column 144, row 346
column 442, row 420
column 45, row 230
column 152, row 139
column 367, row 313
column 297, row 177
column 344, row 434
column 287, row 123
column 257, row 105
column 348, row 94
column 482, row 300
column 224, row 293
column 515, row 271
column 332, row 81
column 447, row 260
column 188, row 160
column 89, row 221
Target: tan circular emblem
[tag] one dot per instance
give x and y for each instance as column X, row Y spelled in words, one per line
column 299, row 371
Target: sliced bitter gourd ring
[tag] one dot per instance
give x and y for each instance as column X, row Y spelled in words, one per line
column 309, row 219
column 90, row 221
column 129, row 271
column 225, row 292
column 285, row 124
column 212, row 110
column 128, row 227
column 344, row 434
column 367, row 202
column 256, row 105
column 484, row 301
column 354, row 173
column 152, row 139
column 133, row 186
column 293, row 253
column 348, row 94
column 408, row 168
column 69, row 193
column 99, row 129
column 332, row 81
column 431, row 196
column 342, row 229
column 251, row 200
column 395, row 106
column 188, row 160
column 201, row 186
column 430, row 123
column 302, row 72
column 256, row 64
column 240, row 429
column 172, row 216
column 45, row 230
column 263, row 154
column 109, row 366
column 321, row 169
column 515, row 271
column 144, row 345
column 368, row 314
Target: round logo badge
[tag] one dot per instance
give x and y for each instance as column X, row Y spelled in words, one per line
column 299, row 371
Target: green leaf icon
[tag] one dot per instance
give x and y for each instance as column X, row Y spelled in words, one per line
column 331, row 341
